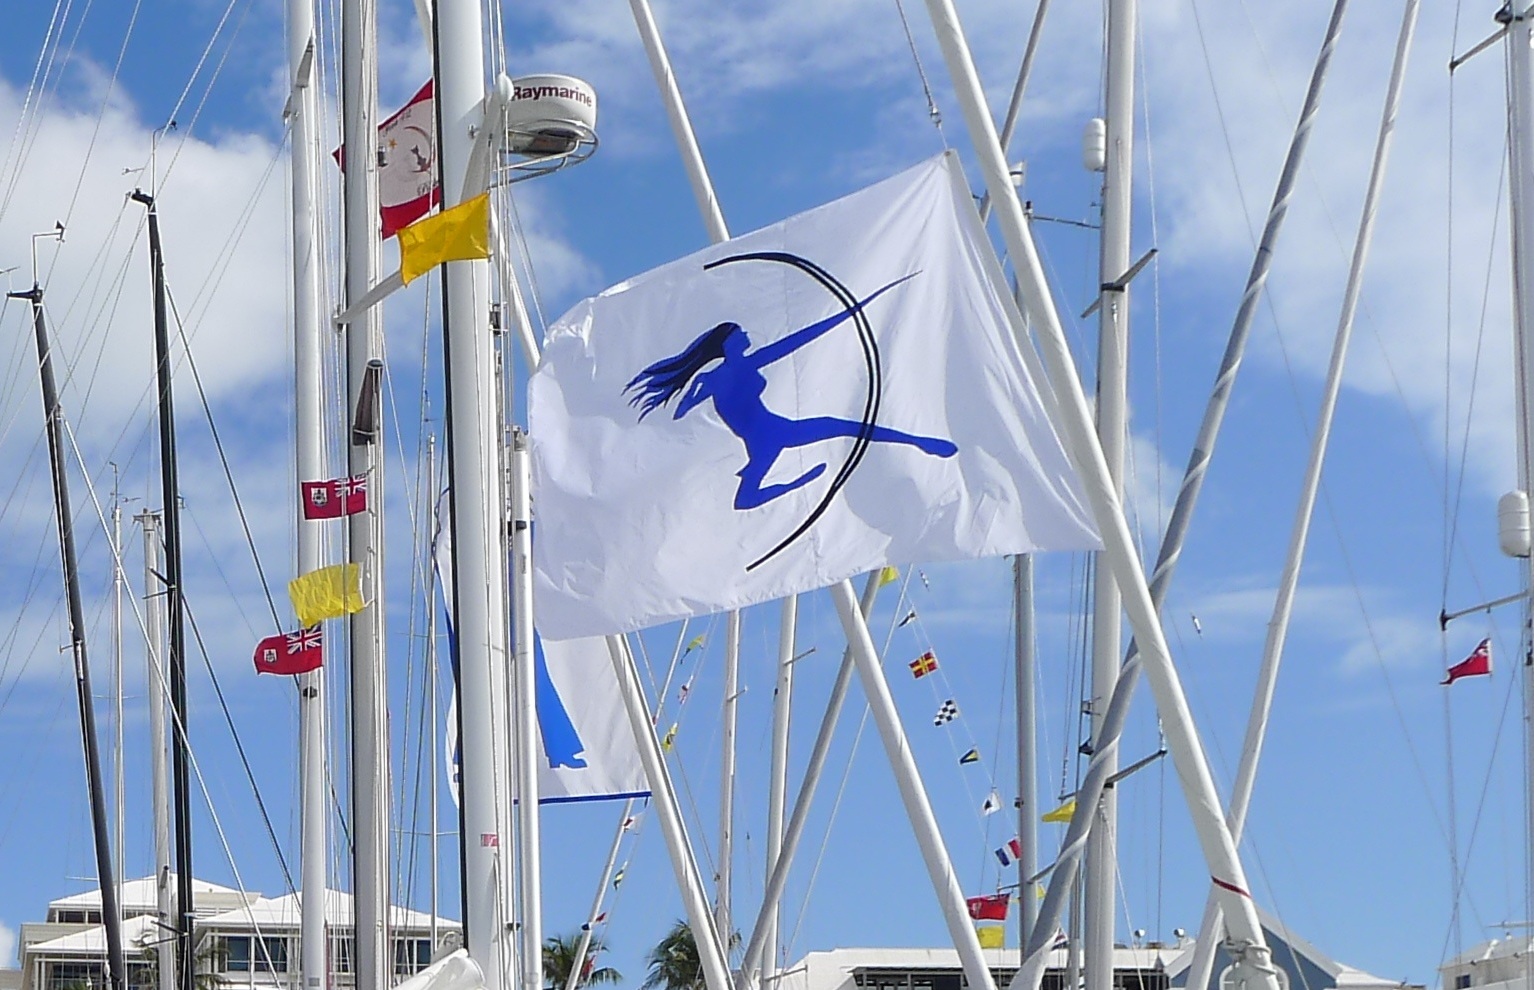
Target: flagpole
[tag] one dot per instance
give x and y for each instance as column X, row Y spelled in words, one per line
column 1253, row 958
column 727, row 774
column 432, row 672
column 681, row 124
column 1101, row 873
column 308, row 331
column 159, row 772
column 1202, row 967
column 474, row 459
column 364, row 335
column 713, row 221
column 1519, row 20
column 777, row 781
column 1027, row 746
column 526, row 749
column 711, row 955
column 945, row 881
column 777, row 879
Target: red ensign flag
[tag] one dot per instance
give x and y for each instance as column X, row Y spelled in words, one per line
column 291, row 653
column 335, row 498
column 1478, row 663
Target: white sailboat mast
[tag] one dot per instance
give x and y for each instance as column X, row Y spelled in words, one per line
column 159, row 760
column 1027, row 746
column 1112, row 432
column 474, row 465
column 1519, row 17
column 777, row 781
column 729, row 722
column 1254, row 960
column 370, row 753
column 308, row 326
column 526, row 748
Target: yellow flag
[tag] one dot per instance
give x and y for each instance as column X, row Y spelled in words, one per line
column 1062, row 813
column 991, row 936
column 888, row 576
column 327, row 593
column 461, row 233
column 695, row 643
column 670, row 739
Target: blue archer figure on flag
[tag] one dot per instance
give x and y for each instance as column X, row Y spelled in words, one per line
column 736, row 385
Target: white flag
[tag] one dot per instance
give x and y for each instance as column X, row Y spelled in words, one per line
column 826, row 396
column 587, row 747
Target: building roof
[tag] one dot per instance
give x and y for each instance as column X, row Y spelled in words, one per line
column 280, row 913
column 141, row 894
column 1497, row 948
column 138, row 932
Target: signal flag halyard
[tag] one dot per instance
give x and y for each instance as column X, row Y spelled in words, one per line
column 834, row 394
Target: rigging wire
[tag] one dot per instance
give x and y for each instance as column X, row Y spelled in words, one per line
column 234, row 733
column 933, row 113
column 223, row 459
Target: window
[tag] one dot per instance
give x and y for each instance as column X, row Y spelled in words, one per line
column 76, row 916
column 75, row 976
column 411, row 955
column 1462, row 981
column 341, row 954
column 270, row 954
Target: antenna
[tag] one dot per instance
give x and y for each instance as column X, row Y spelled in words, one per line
column 57, row 233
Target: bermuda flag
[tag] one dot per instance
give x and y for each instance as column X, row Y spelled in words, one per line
column 407, row 178
column 291, row 653
column 1477, row 664
column 992, row 907
column 335, row 498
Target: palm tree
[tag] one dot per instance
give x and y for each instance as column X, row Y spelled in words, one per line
column 559, row 958
column 674, row 963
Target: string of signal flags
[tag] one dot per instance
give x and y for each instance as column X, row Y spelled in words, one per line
column 949, row 719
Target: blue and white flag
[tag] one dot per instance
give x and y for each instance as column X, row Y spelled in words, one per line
column 588, row 750
column 829, row 395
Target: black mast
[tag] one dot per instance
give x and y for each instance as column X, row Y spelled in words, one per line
column 55, row 423
column 181, row 784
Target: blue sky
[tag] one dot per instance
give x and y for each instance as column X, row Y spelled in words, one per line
column 797, row 102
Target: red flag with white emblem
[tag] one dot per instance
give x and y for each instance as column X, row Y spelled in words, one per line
column 407, row 179
column 335, row 498
column 291, row 653
column 407, row 171
column 1477, row 664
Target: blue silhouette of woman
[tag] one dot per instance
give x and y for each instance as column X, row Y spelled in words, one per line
column 736, row 385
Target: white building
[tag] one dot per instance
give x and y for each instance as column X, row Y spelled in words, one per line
column 1152, row 966
column 246, row 940
column 1500, row 964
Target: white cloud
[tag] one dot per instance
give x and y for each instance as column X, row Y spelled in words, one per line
column 7, row 945
column 1359, row 629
